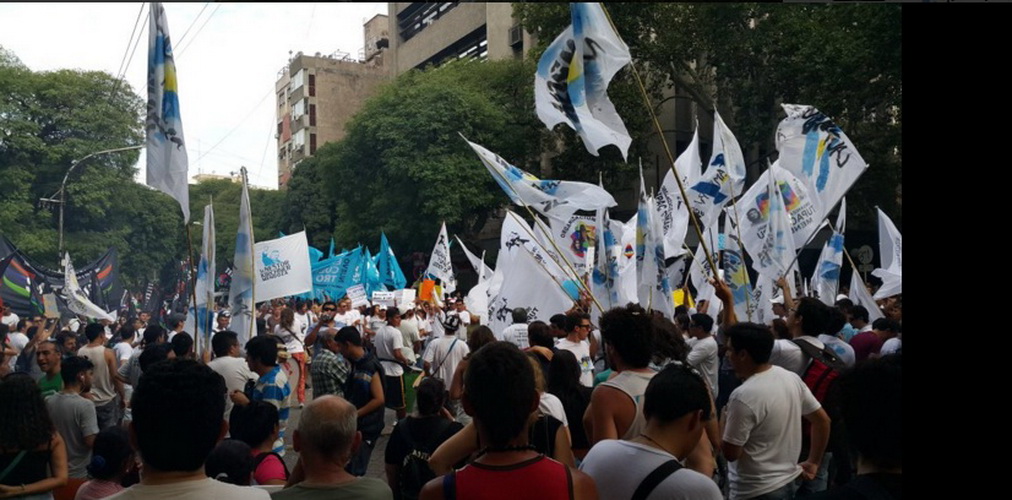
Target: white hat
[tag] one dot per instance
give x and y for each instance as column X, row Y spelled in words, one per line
column 777, row 300
column 842, row 296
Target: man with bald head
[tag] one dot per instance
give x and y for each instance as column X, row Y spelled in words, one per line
column 326, row 440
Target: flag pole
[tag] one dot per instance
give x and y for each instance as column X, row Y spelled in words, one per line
column 664, row 142
column 252, row 259
column 193, row 289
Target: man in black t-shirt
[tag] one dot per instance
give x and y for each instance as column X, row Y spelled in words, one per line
column 364, row 389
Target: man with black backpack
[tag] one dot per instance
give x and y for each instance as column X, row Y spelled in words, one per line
column 415, row 438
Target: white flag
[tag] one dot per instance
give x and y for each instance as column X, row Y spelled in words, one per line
column 671, row 208
column 861, row 297
column 575, row 236
column 890, row 244
column 736, row 277
column 205, row 281
column 554, row 199
column 77, row 299
column 167, row 165
column 814, row 149
column 795, row 215
column 282, row 267
column 654, row 291
column 240, row 293
column 723, row 179
column 439, row 263
column 604, row 281
column 571, row 84
column 526, row 284
column 484, row 272
column 762, row 293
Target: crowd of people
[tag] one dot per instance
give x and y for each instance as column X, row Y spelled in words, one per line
column 619, row 404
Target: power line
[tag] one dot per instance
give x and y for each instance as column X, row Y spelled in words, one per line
column 180, row 41
column 120, row 73
column 241, row 123
column 267, row 146
column 201, row 28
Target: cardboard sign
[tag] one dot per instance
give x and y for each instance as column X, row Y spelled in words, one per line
column 49, row 300
column 357, row 295
column 383, row 298
column 428, row 286
column 405, row 297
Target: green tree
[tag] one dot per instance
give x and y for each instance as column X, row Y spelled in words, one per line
column 266, row 207
column 48, row 120
column 403, row 169
column 745, row 59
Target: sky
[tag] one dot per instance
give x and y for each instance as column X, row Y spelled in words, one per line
column 227, row 58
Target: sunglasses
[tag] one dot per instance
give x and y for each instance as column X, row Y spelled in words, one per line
column 329, row 308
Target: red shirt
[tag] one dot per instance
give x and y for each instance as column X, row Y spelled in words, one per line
column 865, row 344
column 538, row 478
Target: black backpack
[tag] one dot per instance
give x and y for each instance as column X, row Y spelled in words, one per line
column 415, row 470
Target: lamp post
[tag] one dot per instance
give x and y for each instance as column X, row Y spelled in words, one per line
column 63, row 185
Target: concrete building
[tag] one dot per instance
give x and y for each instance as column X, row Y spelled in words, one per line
column 317, row 96
column 424, row 33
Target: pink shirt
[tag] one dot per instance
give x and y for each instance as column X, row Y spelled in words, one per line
column 96, row 489
column 270, row 468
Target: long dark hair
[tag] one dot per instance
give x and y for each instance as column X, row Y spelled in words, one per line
column 24, row 421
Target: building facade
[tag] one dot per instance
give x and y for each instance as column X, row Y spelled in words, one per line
column 317, row 96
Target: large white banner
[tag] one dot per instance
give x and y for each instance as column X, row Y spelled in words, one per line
column 281, row 267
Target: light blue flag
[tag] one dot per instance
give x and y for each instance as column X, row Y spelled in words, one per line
column 315, row 255
column 389, row 269
column 330, row 253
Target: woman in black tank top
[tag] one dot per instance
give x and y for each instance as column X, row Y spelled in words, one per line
column 29, row 444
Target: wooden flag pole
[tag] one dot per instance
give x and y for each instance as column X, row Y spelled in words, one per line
column 193, row 289
column 667, row 149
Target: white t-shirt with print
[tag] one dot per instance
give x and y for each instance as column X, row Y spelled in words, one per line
column 581, row 350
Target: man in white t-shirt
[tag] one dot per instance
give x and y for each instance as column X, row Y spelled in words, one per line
column 17, row 339
column 9, row 318
column 442, row 356
column 460, row 310
column 222, row 321
column 347, row 316
column 388, row 343
column 516, row 333
column 230, row 365
column 676, row 406
column 703, row 355
column 577, row 330
column 762, row 420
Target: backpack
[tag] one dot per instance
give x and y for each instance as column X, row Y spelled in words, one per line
column 820, row 377
column 415, row 470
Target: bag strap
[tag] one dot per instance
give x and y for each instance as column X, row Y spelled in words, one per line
column 824, row 355
column 14, row 463
column 655, row 478
column 450, row 486
column 447, row 355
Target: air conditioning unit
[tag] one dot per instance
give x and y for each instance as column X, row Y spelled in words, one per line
column 516, row 35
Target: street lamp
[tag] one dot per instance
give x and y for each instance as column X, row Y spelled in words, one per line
column 62, row 192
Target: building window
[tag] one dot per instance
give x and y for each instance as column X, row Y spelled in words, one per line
column 299, row 109
column 312, row 144
column 281, row 97
column 299, row 139
column 419, row 15
column 312, row 115
column 299, row 79
column 474, row 45
column 281, row 126
column 312, row 85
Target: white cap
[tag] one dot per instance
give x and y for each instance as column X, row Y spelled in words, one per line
column 777, row 300
column 842, row 296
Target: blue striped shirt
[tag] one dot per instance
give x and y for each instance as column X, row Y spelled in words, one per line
column 273, row 388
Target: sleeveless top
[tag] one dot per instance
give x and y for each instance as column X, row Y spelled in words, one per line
column 634, row 384
column 101, row 383
column 538, row 478
column 34, row 466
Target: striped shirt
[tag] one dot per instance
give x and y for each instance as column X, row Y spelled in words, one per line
column 272, row 387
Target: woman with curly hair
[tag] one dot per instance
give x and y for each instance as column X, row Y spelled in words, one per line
column 29, row 445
